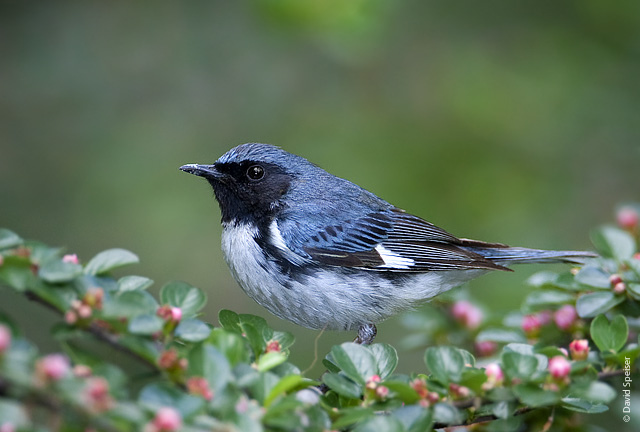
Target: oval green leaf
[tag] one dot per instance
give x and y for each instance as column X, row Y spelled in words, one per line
column 445, row 363
column 592, row 304
column 110, row 259
column 187, row 297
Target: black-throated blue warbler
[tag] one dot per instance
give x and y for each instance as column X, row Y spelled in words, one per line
column 325, row 253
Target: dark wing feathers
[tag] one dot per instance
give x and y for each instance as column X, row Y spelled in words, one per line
column 395, row 241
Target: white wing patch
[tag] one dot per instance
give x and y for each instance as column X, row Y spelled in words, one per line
column 278, row 241
column 393, row 260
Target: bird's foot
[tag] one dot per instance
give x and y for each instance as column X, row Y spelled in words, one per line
column 366, row 334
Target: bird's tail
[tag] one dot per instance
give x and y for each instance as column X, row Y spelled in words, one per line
column 518, row 255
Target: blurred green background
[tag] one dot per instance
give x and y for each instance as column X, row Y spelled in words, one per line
column 516, row 122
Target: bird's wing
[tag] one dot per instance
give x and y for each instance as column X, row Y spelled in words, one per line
column 394, row 240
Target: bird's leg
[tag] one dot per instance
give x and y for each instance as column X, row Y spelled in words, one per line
column 366, row 334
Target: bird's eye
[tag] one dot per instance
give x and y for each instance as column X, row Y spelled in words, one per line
column 255, row 172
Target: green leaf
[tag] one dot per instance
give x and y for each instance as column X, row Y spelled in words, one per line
column 192, row 330
column 229, row 320
column 16, row 273
column 414, row 418
column 342, row 385
column 542, row 299
column 583, row 406
column 258, row 325
column 13, row 414
column 180, row 294
column 473, row 378
column 597, row 392
column 256, row 341
column 517, row 365
column 502, row 409
column 593, row 276
column 270, row 360
column 356, row 361
column 403, row 391
column 380, row 423
column 134, row 283
column 351, row 415
column 634, row 290
column 230, row 344
column 386, row 358
column 445, row 363
column 129, row 304
column 57, row 271
column 110, row 259
column 613, row 242
column 9, row 239
column 447, row 414
column 142, row 346
column 592, row 304
column 535, row 396
column 508, row 424
column 467, row 357
column 286, row 384
column 609, row 336
column 501, row 335
column 147, row 324
column 206, row 361
column 157, row 395
column 542, row 279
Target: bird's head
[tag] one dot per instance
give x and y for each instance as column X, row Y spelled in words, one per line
column 250, row 181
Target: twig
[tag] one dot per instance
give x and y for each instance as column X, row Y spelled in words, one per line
column 54, row 404
column 468, row 403
column 482, row 419
column 99, row 332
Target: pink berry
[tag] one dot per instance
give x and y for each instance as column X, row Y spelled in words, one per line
column 494, row 372
column 71, row 258
column 615, row 279
column 96, row 395
column 82, row 371
column 373, row 381
column 559, row 367
column 565, row 317
column 579, row 349
column 53, row 367
column 70, row 317
column 273, row 346
column 619, row 288
column 169, row 313
column 627, row 218
column 176, row 314
column 485, row 348
column 531, row 324
column 7, row 427
column 467, row 314
column 167, row 419
column 84, row 311
column 458, row 391
column 382, row 392
column 199, row 386
column 5, row 338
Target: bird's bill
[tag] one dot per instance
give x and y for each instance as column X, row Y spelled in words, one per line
column 207, row 171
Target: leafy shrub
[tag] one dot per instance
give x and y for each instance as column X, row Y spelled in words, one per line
column 539, row 365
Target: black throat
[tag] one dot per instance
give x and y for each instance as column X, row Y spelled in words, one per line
column 243, row 200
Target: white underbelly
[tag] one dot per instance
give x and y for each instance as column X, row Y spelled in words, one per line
column 332, row 298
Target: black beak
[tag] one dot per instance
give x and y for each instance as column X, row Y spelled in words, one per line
column 206, row 171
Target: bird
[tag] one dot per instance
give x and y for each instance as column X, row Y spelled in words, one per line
column 326, row 254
